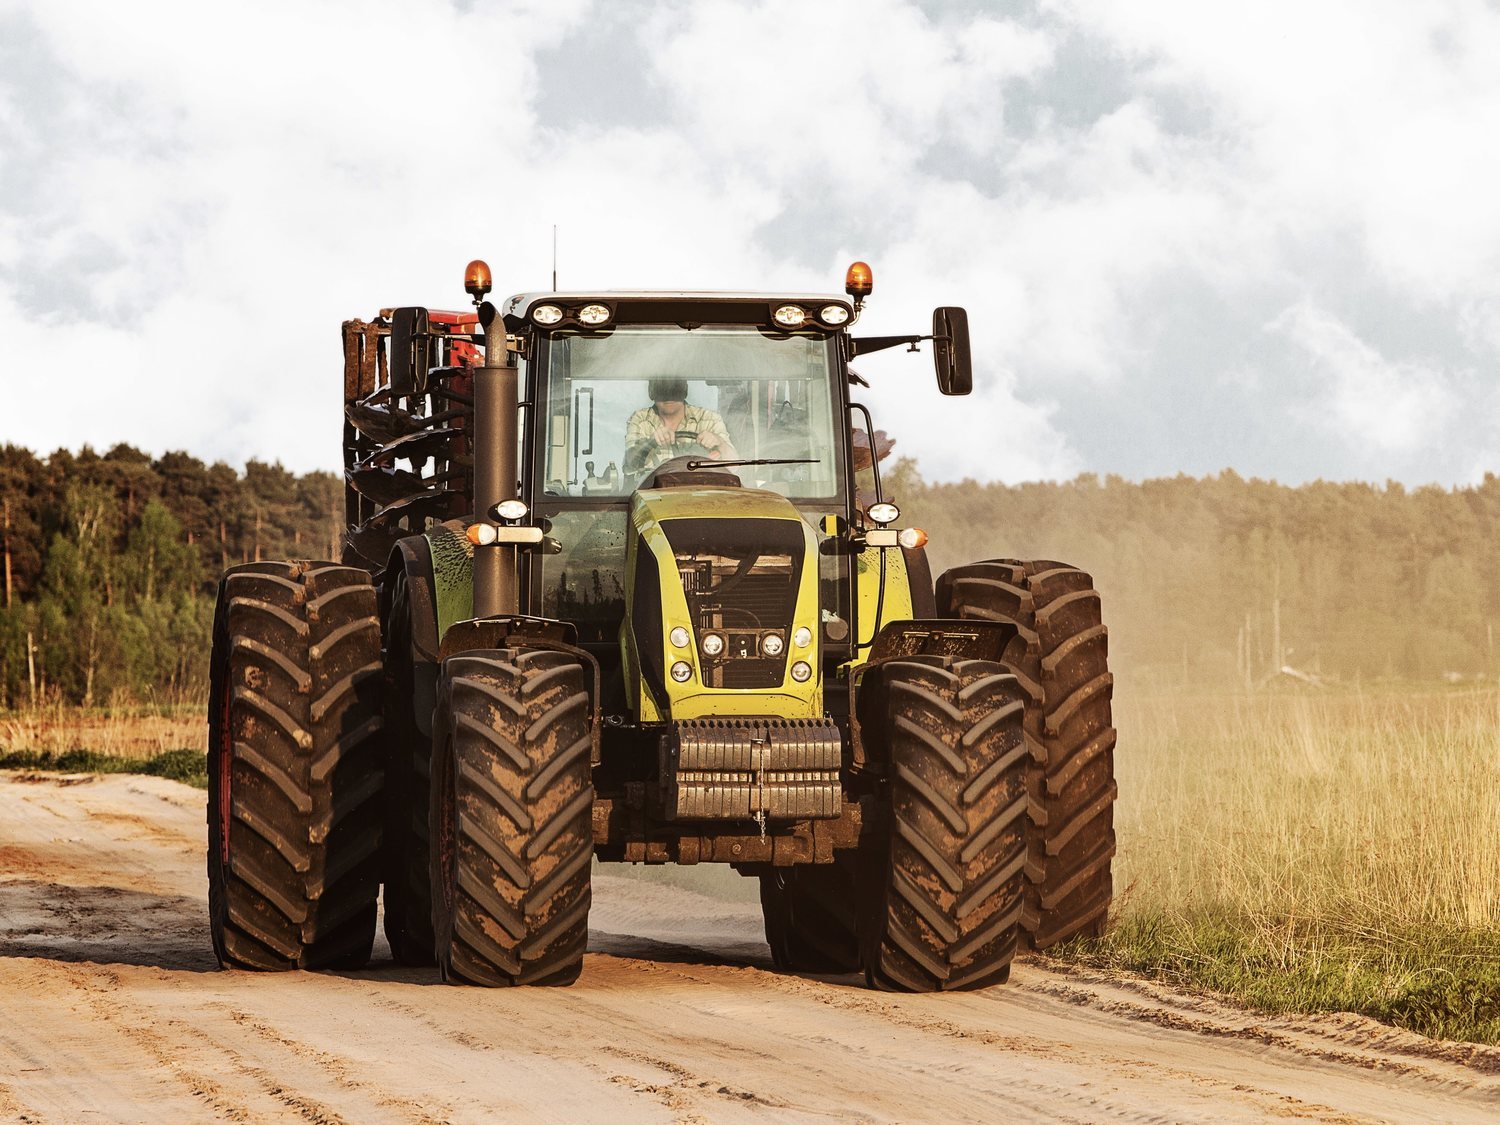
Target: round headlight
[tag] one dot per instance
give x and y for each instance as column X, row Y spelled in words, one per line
column 510, row 510
column 679, row 637
column 833, row 314
column 713, row 644
column 481, row 534
column 802, row 637
column 682, row 671
column 802, row 671
column 883, row 513
column 790, row 316
column 771, row 644
column 912, row 537
column 546, row 314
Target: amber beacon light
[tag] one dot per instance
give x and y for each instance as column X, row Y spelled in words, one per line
column 858, row 281
column 477, row 280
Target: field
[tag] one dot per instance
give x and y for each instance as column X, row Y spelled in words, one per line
column 1297, row 851
column 1314, row 852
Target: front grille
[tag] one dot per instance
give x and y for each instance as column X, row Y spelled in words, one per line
column 741, row 578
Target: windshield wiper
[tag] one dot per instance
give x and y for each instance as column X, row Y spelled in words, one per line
column 704, row 464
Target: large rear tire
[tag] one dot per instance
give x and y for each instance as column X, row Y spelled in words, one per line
column 408, row 892
column 512, row 818
column 811, row 915
column 946, row 882
column 294, row 765
column 1061, row 653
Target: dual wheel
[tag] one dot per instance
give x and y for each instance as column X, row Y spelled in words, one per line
column 999, row 797
column 298, row 760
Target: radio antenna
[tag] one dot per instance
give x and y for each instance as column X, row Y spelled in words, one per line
column 554, row 257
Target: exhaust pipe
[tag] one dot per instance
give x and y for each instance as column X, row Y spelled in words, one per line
column 494, row 445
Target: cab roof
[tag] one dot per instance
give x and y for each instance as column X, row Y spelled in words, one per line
column 643, row 306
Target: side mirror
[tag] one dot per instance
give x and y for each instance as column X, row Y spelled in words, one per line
column 950, row 350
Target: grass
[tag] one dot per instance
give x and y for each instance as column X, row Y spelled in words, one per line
column 188, row 766
column 1309, row 853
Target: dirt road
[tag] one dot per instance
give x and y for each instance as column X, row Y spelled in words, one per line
column 111, row 1009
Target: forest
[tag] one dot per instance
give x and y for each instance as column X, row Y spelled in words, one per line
column 110, row 562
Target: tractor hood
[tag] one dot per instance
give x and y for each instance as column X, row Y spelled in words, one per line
column 722, row 614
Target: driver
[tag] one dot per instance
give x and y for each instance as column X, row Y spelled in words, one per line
column 670, row 427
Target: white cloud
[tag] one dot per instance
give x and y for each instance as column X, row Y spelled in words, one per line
column 1359, row 395
column 191, row 197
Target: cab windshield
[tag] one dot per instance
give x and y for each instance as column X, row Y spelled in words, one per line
column 616, row 407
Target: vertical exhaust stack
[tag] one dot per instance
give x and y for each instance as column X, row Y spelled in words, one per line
column 495, row 449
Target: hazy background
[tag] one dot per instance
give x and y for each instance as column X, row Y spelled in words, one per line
column 1190, row 236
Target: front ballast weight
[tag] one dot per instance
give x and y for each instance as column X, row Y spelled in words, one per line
column 751, row 769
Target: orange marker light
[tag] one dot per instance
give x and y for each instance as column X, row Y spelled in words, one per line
column 859, row 280
column 477, row 279
column 481, row 534
column 912, row 537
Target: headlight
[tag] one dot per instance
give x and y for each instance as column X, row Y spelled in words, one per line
column 883, row 513
column 713, row 644
column 802, row 637
column 682, row 671
column 546, row 314
column 593, row 314
column 771, row 644
column 833, row 314
column 790, row 316
column 679, row 637
column 510, row 510
column 802, row 671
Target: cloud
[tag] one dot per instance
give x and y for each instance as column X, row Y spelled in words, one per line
column 1124, row 196
column 1361, row 396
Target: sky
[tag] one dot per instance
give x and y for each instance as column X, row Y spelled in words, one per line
column 1190, row 236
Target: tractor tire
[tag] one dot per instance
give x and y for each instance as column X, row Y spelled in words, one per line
column 294, row 767
column 945, row 884
column 811, row 915
column 408, row 894
column 1061, row 654
column 512, row 818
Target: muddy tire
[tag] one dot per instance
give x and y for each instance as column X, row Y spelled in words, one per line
column 294, row 767
column 944, row 888
column 811, row 915
column 1061, row 654
column 512, row 823
column 406, row 863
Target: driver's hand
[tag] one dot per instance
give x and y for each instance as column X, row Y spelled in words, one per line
column 665, row 435
column 709, row 441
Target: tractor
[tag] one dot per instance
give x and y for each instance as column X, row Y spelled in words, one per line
column 620, row 582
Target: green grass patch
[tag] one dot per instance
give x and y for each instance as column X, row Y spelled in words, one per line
column 1440, row 983
column 187, row 766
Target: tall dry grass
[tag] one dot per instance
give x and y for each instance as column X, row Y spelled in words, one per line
column 115, row 732
column 1338, row 850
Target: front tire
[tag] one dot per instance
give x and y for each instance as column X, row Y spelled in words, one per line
column 512, row 825
column 294, row 767
column 946, row 880
column 1061, row 653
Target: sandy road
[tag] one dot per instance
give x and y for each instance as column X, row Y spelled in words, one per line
column 111, row 1009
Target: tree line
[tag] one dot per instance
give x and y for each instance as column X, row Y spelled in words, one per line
column 110, row 563
column 1225, row 580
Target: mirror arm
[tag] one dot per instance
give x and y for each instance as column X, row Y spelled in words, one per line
column 864, row 345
